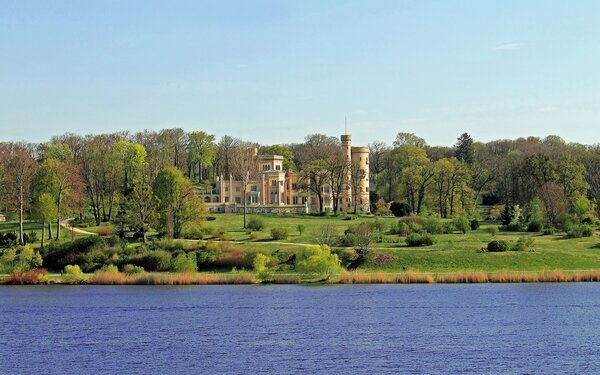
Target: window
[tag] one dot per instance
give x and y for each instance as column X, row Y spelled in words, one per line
column 238, row 199
column 280, row 183
column 278, row 167
column 226, row 189
column 237, row 189
column 266, row 167
column 295, row 200
column 253, row 188
column 226, row 199
column 273, row 182
column 367, row 189
column 295, row 186
column 367, row 161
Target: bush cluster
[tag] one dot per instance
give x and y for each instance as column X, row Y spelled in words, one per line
column 255, row 224
column 279, row 233
column 498, row 246
column 416, row 239
column 579, row 231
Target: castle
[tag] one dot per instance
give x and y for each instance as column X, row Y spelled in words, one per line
column 280, row 191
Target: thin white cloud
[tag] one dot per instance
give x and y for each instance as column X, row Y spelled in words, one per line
column 507, row 46
column 549, row 108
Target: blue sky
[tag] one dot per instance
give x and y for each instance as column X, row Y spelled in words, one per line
column 274, row 71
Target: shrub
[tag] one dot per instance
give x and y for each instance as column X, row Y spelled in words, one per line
column 110, row 268
column 493, row 230
column 37, row 276
column 131, row 269
column 73, row 275
column 279, row 233
column 400, row 209
column 462, row 224
column 192, row 231
column 579, row 231
column 524, row 243
column 206, row 258
column 512, row 227
column 19, row 259
column 185, row 263
column 498, row 246
column 233, row 258
column 474, row 224
column 416, row 239
column 259, row 264
column 301, row 228
column 255, row 224
column 8, row 239
column 433, row 225
column 400, row 228
column 211, row 218
column 318, row 260
column 548, row 232
column 449, row 227
column 30, row 237
column 151, row 260
column 535, row 226
column 105, row 231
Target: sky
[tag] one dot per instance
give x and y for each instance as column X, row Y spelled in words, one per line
column 275, row 71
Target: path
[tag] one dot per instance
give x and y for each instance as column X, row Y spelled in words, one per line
column 65, row 224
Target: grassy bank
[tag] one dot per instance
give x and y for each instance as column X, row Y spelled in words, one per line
column 248, row 278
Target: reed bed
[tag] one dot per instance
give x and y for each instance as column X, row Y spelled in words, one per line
column 462, row 277
column 385, row 278
column 285, row 279
column 113, row 278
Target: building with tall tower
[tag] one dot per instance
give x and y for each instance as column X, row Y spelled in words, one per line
column 277, row 190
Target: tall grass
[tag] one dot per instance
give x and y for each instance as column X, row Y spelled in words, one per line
column 385, row 278
column 107, row 278
column 462, row 277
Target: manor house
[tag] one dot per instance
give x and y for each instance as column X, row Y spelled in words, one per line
column 280, row 191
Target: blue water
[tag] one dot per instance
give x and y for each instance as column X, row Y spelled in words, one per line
column 371, row 329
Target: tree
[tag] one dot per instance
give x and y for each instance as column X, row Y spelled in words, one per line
column 18, row 170
column 62, row 181
column 201, row 153
column 554, row 201
column 571, row 176
column 178, row 202
column 289, row 163
column 409, row 139
column 325, row 235
column 363, row 235
column 318, row 260
column 44, row 210
column 245, row 168
column 378, row 151
column 141, row 213
column 416, row 174
column 314, row 179
column 465, row 150
column 336, row 167
column 225, row 149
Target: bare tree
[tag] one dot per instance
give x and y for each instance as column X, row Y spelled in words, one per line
column 244, row 167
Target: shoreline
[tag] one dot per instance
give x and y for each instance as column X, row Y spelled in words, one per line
column 351, row 277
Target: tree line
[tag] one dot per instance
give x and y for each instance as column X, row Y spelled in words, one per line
column 150, row 179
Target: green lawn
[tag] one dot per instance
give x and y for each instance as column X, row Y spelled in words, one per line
column 451, row 252
column 31, row 226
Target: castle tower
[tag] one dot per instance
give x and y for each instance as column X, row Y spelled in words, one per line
column 360, row 169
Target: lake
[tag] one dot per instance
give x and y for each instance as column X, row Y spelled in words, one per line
column 291, row 329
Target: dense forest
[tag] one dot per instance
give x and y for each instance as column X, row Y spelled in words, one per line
column 151, row 179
